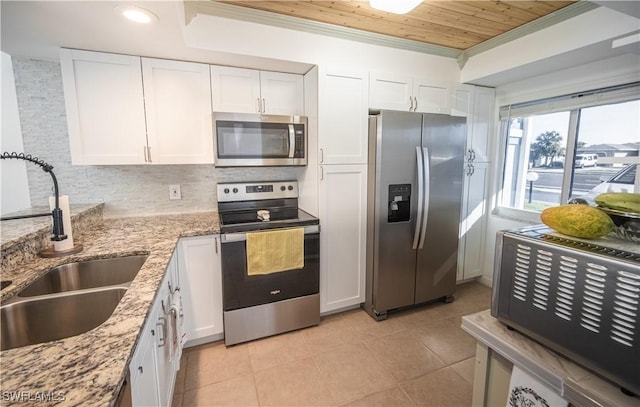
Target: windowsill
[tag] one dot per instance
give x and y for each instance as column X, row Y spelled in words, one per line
column 517, row 215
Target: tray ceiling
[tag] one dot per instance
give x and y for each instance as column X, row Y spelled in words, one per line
column 455, row 24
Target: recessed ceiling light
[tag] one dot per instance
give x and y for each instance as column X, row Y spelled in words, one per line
column 137, row 14
column 395, row 6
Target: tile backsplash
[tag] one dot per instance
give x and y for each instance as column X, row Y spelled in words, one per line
column 126, row 190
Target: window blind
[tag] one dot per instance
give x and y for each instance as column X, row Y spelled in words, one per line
column 616, row 94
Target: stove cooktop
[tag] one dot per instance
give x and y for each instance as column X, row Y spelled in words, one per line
column 235, row 223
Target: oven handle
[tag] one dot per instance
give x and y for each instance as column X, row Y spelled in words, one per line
column 240, row 237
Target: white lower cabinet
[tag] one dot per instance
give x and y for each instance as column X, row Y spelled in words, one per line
column 153, row 368
column 473, row 221
column 343, row 214
column 142, row 372
column 201, row 285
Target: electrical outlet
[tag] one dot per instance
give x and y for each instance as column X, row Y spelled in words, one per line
column 174, row 192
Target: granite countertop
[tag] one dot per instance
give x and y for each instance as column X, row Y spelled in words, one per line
column 88, row 369
column 575, row 384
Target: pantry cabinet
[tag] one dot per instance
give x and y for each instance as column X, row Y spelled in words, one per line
column 406, row 93
column 241, row 90
column 473, row 216
column 201, row 281
column 343, row 117
column 130, row 110
column 473, row 221
column 343, row 214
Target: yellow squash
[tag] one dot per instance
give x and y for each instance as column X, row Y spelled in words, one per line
column 581, row 221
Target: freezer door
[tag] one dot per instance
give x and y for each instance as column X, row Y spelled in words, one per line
column 394, row 260
column 443, row 137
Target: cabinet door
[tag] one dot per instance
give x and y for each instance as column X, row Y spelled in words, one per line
column 105, row 107
column 461, row 98
column 392, row 92
column 343, row 207
column 481, row 122
column 235, row 89
column 343, row 113
column 431, row 97
column 142, row 370
column 162, row 346
column 178, row 110
column 473, row 221
column 201, row 286
column 281, row 93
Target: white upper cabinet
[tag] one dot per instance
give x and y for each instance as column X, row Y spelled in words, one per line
column 343, row 117
column 105, row 107
column 481, row 124
column 461, row 99
column 393, row 92
column 401, row 92
column 130, row 110
column 241, row 90
column 178, row 110
column 431, row 96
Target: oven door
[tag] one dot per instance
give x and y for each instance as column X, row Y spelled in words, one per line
column 241, row 290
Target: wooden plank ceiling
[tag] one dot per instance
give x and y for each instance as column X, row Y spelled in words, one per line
column 449, row 23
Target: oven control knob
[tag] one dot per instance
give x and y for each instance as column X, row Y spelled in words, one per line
column 235, row 190
column 282, row 188
column 290, row 188
column 226, row 190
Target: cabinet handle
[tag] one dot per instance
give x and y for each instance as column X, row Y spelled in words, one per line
column 149, row 153
column 258, row 105
column 415, row 105
column 471, row 169
column 163, row 325
column 321, row 173
column 140, row 369
column 144, row 148
column 216, row 240
column 411, row 101
column 264, row 106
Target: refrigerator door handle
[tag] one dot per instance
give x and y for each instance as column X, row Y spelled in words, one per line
column 416, row 234
column 426, row 195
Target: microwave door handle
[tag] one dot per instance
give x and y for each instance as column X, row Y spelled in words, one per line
column 292, row 141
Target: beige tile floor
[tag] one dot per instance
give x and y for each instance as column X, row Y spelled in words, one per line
column 417, row 357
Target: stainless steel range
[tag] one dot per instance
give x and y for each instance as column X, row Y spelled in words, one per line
column 264, row 303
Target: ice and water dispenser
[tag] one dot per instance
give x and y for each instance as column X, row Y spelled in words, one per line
column 399, row 203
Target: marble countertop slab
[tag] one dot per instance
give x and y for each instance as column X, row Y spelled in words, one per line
column 88, row 369
column 577, row 385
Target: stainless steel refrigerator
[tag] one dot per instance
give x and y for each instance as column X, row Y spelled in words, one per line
column 414, row 199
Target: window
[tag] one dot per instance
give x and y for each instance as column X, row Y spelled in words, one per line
column 569, row 147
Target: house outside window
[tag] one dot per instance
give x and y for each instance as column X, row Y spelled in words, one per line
column 568, row 147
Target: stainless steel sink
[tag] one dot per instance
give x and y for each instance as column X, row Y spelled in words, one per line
column 30, row 321
column 86, row 274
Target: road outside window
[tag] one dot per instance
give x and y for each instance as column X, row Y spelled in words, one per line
column 602, row 141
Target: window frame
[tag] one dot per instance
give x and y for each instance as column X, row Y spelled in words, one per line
column 572, row 103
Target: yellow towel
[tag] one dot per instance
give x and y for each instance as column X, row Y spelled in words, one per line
column 275, row 251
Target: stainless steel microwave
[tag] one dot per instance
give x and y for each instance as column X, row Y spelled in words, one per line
column 255, row 140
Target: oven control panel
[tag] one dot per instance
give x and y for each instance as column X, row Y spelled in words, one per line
column 251, row 191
